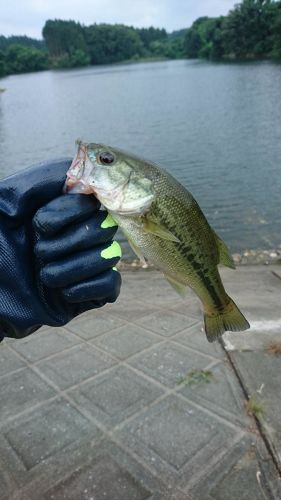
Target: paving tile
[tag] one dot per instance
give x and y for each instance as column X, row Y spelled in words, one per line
column 45, row 343
column 115, row 395
column 126, row 341
column 7, row 486
column 166, row 323
column 168, row 363
column 104, row 480
column 9, row 361
column 7, row 341
column 174, row 439
column 153, row 288
column 277, row 272
column 74, row 365
column 195, row 337
column 46, row 430
column 20, row 391
column 221, row 394
column 131, row 310
column 248, row 279
column 196, row 443
column 94, row 469
column 260, row 373
column 191, row 308
column 94, row 324
column 235, row 477
column 108, row 476
column 256, row 291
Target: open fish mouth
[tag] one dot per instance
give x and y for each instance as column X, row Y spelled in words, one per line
column 81, row 178
column 79, row 172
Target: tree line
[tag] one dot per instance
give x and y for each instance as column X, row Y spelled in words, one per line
column 251, row 30
column 68, row 44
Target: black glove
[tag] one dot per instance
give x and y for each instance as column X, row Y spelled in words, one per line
column 56, row 251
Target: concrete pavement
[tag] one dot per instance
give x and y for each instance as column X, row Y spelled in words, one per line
column 131, row 402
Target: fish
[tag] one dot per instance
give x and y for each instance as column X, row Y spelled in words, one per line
column 164, row 225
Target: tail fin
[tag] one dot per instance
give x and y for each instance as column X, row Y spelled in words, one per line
column 230, row 319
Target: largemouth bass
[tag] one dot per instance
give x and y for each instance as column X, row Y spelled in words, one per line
column 163, row 224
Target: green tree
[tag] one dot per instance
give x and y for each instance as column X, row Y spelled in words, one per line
column 252, row 29
column 211, row 38
column 26, row 41
column 150, row 35
column 20, row 59
column 170, row 48
column 194, row 39
column 76, row 59
column 276, row 39
column 3, row 65
column 66, row 43
column 112, row 43
column 204, row 38
column 248, row 29
column 176, row 47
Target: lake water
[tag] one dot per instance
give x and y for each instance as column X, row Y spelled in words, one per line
column 215, row 127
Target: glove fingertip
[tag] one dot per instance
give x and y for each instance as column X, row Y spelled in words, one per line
column 104, row 287
column 40, row 249
column 63, row 211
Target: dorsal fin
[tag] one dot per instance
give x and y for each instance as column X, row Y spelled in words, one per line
column 224, row 256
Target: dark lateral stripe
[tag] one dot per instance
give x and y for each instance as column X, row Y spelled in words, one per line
column 211, row 289
column 186, row 251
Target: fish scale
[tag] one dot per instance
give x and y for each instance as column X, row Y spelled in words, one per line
column 163, row 223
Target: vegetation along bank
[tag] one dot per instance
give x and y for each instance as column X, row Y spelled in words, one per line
column 251, row 30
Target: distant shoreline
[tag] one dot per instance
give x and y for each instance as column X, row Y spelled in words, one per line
column 229, row 60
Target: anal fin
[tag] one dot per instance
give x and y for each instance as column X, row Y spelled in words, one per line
column 179, row 287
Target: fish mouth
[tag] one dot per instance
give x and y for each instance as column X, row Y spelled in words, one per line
column 82, row 178
column 79, row 177
column 78, row 173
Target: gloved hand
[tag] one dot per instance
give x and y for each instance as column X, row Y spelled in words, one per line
column 56, row 251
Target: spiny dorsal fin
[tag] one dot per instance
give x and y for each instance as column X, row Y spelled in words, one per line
column 224, row 256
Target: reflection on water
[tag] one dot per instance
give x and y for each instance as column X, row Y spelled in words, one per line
column 216, row 127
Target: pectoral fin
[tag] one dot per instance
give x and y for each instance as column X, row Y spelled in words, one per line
column 157, row 229
column 179, row 287
column 224, row 256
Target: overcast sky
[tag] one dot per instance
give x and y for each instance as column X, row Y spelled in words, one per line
column 27, row 17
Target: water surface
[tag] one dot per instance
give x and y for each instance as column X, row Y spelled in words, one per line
column 215, row 127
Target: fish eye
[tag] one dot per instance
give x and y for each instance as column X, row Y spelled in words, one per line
column 106, row 157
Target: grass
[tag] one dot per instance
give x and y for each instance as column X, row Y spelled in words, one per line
column 274, row 348
column 254, row 407
column 196, row 377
